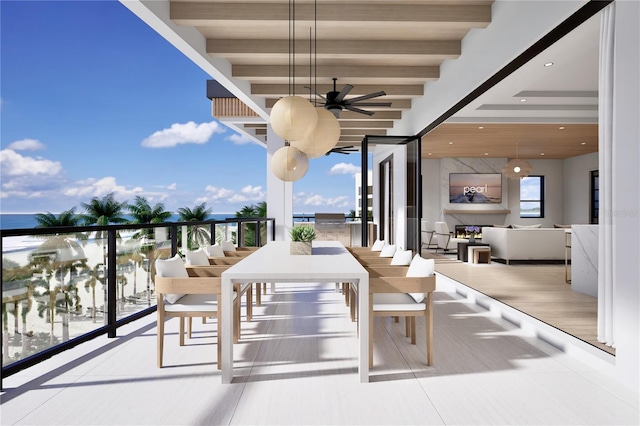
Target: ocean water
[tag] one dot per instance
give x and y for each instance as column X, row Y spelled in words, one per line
column 27, row 221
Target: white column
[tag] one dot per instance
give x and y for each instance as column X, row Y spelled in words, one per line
column 626, row 181
column 279, row 193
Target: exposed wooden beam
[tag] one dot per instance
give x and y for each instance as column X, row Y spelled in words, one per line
column 438, row 49
column 396, row 104
column 201, row 13
column 366, row 124
column 280, row 73
column 400, row 90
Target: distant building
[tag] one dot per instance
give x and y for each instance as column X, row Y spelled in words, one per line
column 358, row 193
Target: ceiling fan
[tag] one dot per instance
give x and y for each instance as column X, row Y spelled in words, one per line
column 335, row 101
column 343, row 150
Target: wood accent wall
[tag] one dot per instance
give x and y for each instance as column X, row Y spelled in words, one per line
column 230, row 107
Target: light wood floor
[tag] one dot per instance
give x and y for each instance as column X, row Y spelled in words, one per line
column 296, row 364
column 538, row 290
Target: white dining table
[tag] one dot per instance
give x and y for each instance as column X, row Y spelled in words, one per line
column 330, row 261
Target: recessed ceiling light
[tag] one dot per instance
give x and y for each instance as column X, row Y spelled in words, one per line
column 450, row 143
column 542, row 153
column 523, row 100
column 486, row 153
column 480, row 127
column 429, row 153
column 583, row 143
column 548, row 64
column 561, row 127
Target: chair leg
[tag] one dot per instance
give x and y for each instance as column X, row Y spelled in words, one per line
column 412, row 321
column 407, row 322
column 258, row 294
column 249, row 298
column 181, row 331
column 236, row 321
column 370, row 331
column 429, row 326
column 189, row 327
column 353, row 304
column 219, row 336
column 160, row 340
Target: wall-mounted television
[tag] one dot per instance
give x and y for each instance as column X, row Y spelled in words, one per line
column 475, row 188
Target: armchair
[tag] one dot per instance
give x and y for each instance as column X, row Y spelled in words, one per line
column 179, row 295
column 407, row 292
column 426, row 231
column 445, row 239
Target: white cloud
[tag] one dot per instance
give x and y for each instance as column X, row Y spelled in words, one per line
column 179, row 134
column 214, row 193
column 100, row 187
column 14, row 164
column 219, row 195
column 344, row 169
column 239, row 139
column 172, row 187
column 253, row 191
column 26, row 145
column 315, row 200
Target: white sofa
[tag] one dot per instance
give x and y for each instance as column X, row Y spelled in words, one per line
column 525, row 244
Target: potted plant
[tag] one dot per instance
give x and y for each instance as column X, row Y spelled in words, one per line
column 472, row 230
column 301, row 237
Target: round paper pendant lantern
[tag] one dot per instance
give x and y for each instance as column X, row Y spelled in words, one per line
column 289, row 163
column 323, row 138
column 293, row 117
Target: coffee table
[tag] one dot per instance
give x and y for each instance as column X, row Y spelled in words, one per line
column 462, row 249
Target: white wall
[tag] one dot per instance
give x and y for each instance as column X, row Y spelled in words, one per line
column 566, row 193
column 577, row 187
column 552, row 170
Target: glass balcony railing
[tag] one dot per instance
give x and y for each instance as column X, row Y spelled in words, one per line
column 64, row 286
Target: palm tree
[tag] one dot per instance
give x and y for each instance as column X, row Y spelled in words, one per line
column 196, row 235
column 143, row 212
column 104, row 211
column 254, row 210
column 66, row 218
column 60, row 251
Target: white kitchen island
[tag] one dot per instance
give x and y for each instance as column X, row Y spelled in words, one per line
column 330, row 262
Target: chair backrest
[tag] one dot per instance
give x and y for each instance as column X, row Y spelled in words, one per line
column 425, row 226
column 442, row 234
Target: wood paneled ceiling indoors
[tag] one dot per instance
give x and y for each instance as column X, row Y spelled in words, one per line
column 396, row 46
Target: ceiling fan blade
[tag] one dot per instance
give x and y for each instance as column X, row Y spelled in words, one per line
column 344, row 92
column 354, row 109
column 365, row 97
column 316, row 93
column 374, row 104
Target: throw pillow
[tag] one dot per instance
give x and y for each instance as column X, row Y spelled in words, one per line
column 197, row 257
column 420, row 267
column 173, row 268
column 502, row 226
column 402, row 257
column 538, row 225
column 377, row 245
column 388, row 250
column 228, row 246
column 214, row 250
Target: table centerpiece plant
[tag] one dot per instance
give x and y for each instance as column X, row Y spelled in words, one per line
column 301, row 238
column 472, row 230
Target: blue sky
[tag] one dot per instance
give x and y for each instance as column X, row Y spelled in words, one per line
column 93, row 101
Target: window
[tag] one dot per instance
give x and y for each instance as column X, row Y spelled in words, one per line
column 532, row 196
